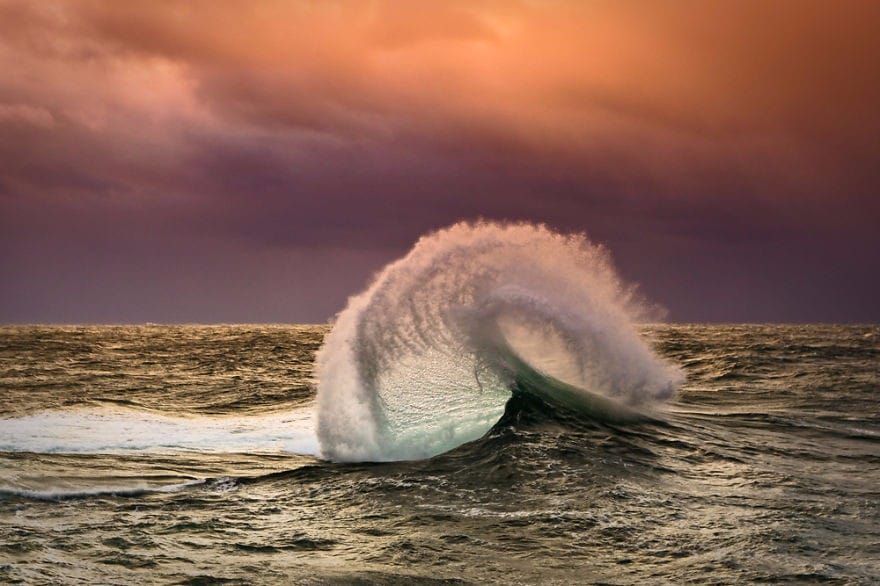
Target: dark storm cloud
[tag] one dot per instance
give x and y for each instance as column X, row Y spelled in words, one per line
column 731, row 137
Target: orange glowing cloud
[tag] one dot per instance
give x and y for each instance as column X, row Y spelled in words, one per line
column 656, row 86
column 369, row 122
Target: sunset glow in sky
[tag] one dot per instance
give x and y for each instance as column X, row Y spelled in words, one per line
column 212, row 161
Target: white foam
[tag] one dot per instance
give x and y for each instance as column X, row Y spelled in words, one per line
column 117, row 430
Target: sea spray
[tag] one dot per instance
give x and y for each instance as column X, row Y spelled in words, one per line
column 425, row 359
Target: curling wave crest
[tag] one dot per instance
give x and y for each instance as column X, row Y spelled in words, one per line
column 429, row 355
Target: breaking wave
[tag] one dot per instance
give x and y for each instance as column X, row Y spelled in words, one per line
column 430, row 354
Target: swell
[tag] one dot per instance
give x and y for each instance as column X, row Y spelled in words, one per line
column 62, row 494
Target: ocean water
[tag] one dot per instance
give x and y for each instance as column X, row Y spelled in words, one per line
column 200, row 454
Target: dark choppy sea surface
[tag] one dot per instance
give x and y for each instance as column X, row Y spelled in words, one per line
column 161, row 454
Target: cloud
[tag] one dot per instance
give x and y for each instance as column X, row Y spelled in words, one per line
column 24, row 114
column 312, row 125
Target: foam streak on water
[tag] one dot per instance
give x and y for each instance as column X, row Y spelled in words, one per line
column 117, row 431
column 425, row 359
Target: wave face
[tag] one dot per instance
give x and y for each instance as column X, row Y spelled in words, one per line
column 428, row 356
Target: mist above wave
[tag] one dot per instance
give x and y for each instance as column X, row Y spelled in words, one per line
column 425, row 358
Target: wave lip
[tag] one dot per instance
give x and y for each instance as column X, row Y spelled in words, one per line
column 427, row 357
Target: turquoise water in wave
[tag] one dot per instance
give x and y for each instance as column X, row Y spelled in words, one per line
column 186, row 454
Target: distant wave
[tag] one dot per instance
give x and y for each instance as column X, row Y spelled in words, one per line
column 429, row 355
column 58, row 494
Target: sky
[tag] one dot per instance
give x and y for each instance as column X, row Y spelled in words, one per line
column 222, row 161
